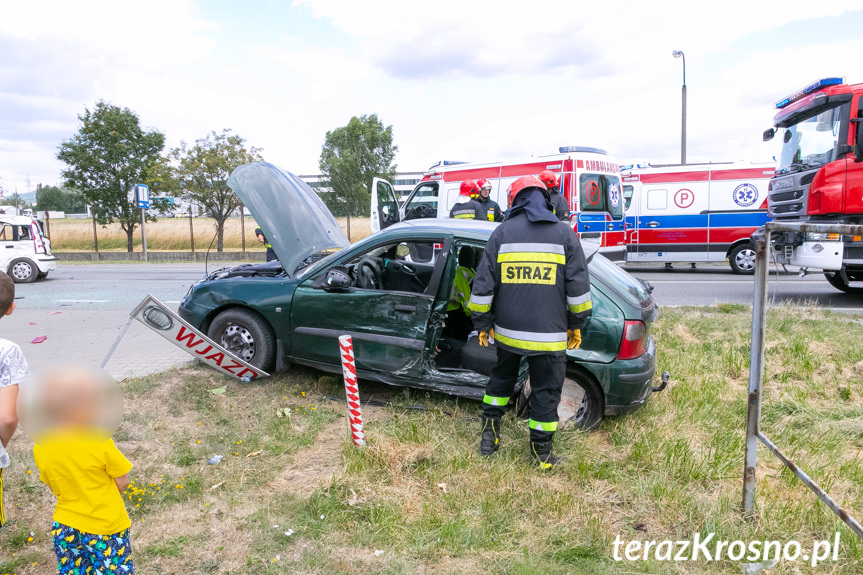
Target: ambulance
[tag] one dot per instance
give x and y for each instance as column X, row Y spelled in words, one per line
column 590, row 182
column 695, row 212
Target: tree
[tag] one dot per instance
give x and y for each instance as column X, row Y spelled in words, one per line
column 351, row 157
column 108, row 156
column 200, row 174
column 52, row 198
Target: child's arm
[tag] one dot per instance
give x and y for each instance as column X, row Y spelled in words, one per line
column 122, row 482
column 8, row 413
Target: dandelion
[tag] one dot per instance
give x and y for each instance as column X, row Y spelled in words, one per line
column 29, row 472
column 199, row 441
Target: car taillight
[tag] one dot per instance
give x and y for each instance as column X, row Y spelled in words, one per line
column 632, row 344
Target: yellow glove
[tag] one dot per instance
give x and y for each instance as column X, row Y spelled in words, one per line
column 573, row 338
column 484, row 337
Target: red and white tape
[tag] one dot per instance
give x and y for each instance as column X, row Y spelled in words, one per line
column 352, row 391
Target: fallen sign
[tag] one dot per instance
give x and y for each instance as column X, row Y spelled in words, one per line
column 158, row 317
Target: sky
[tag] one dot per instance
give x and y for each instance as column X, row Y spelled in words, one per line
column 458, row 80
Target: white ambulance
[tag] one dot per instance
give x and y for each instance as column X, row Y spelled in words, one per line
column 695, row 212
column 590, row 181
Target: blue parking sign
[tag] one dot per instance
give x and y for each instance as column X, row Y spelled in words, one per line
column 142, row 193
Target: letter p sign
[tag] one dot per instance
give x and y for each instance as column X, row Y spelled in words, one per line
column 684, row 198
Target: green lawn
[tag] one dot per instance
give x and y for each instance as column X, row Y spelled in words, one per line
column 419, row 499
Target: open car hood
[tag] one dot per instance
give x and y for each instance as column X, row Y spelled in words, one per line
column 293, row 218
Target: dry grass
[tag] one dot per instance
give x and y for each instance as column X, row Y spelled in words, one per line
column 420, row 494
column 170, row 234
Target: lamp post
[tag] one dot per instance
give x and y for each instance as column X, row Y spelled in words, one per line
column 679, row 54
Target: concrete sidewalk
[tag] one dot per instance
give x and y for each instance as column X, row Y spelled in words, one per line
column 86, row 336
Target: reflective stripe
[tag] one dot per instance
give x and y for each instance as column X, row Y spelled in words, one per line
column 478, row 308
column 531, row 257
column 480, row 303
column 527, row 247
column 499, row 401
column 470, row 216
column 542, row 426
column 532, row 341
column 578, row 299
column 581, row 307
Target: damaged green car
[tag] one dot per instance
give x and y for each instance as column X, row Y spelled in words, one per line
column 391, row 292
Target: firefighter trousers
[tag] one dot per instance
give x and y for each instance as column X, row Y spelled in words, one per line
column 547, row 373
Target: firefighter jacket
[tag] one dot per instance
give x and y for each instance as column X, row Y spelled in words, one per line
column 561, row 209
column 460, row 296
column 532, row 283
column 469, row 210
column 490, row 209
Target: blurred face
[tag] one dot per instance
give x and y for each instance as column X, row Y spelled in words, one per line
column 484, row 192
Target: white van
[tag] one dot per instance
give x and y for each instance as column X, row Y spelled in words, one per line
column 25, row 253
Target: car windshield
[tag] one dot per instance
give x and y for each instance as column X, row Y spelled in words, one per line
column 323, row 262
column 810, row 142
column 629, row 288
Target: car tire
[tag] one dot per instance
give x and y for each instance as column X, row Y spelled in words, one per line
column 742, row 259
column 23, row 271
column 582, row 403
column 835, row 279
column 247, row 335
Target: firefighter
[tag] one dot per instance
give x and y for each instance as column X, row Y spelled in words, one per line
column 531, row 295
column 271, row 254
column 467, row 207
column 492, row 210
column 558, row 201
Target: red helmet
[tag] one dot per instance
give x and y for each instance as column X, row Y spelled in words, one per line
column 468, row 188
column 525, row 183
column 548, row 178
column 482, row 184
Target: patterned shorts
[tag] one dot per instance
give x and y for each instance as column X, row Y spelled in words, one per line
column 81, row 553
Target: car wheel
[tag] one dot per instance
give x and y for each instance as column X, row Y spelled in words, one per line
column 742, row 259
column 581, row 402
column 247, row 335
column 23, row 271
column 835, row 279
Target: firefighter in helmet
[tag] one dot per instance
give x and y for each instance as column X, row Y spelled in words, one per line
column 467, row 207
column 531, row 294
column 558, row 201
column 492, row 210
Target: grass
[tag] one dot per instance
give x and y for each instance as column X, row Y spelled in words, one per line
column 168, row 234
column 421, row 495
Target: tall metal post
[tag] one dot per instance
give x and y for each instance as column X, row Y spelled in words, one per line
column 143, row 234
column 191, row 230
column 243, row 225
column 683, row 128
column 95, row 237
column 756, row 370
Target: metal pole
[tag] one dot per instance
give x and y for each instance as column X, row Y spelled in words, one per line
column 117, row 341
column 191, row 230
column 143, row 234
column 756, row 371
column 95, row 237
column 48, row 225
column 683, row 125
column 243, row 225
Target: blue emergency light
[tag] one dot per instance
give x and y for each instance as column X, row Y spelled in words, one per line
column 573, row 149
column 813, row 87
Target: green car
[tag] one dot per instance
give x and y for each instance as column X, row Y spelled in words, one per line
column 391, row 293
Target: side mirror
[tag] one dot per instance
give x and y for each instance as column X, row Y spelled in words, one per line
column 858, row 157
column 768, row 135
column 336, row 279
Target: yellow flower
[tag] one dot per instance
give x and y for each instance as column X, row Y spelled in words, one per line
column 199, row 441
column 29, row 472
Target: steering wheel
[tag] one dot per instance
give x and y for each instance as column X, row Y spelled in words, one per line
column 369, row 274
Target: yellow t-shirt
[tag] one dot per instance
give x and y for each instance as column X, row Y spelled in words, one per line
column 80, row 470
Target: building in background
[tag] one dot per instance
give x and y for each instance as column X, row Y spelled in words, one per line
column 403, row 184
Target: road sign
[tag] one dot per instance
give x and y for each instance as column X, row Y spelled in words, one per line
column 142, row 193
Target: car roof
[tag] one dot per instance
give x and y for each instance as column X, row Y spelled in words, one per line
column 16, row 220
column 446, row 225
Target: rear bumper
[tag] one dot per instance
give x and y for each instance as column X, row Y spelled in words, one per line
column 46, row 264
column 631, row 382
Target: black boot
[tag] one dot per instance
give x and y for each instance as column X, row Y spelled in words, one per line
column 541, row 453
column 490, row 440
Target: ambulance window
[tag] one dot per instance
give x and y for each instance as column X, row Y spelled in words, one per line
column 590, row 193
column 627, row 195
column 423, row 202
column 657, row 199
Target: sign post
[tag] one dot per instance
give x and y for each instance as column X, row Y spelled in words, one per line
column 142, row 193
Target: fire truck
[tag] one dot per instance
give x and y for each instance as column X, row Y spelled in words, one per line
column 590, row 181
column 819, row 179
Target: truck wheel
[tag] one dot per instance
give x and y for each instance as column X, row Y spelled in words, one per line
column 835, row 279
column 742, row 259
column 247, row 335
column 581, row 402
column 23, row 271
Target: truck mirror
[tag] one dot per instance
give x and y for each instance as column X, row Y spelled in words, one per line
column 768, row 134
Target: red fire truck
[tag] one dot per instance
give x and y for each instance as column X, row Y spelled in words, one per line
column 590, row 181
column 819, row 179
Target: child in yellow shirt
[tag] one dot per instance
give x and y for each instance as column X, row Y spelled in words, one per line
column 74, row 415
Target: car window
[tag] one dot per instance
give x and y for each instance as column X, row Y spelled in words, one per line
column 404, row 266
column 6, row 233
column 625, row 285
column 657, row 199
column 627, row 195
column 423, row 203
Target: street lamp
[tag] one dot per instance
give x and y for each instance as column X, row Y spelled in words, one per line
column 679, row 54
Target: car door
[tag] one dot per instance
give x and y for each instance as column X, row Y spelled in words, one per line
column 385, row 207
column 388, row 326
